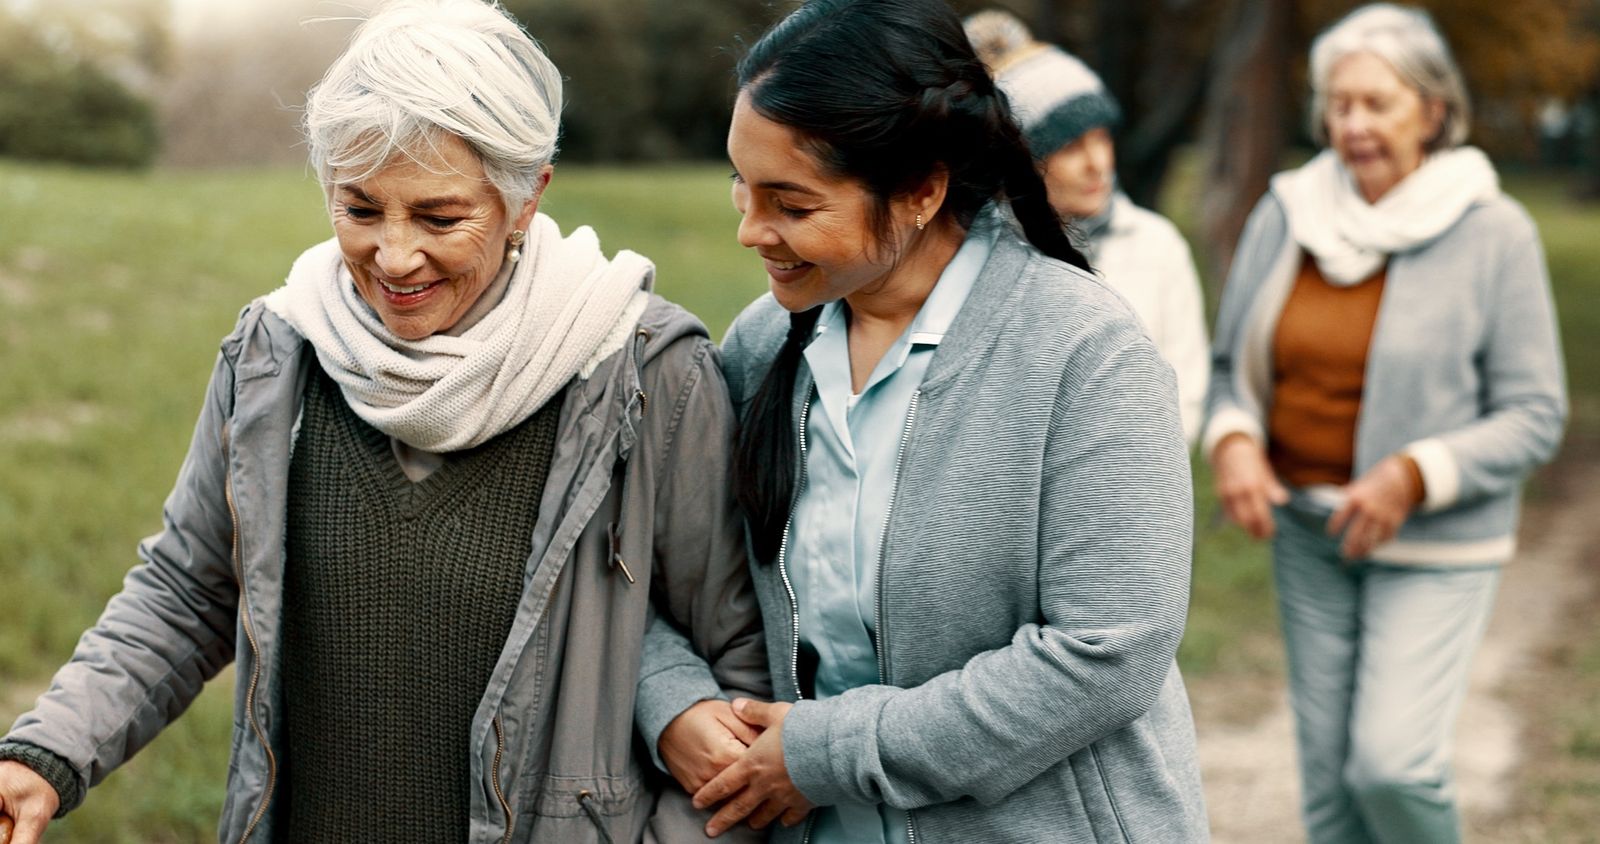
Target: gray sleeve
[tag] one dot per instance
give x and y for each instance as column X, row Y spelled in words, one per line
column 706, row 638
column 1524, row 396
column 1228, row 407
column 673, row 676
column 1115, row 521
column 168, row 631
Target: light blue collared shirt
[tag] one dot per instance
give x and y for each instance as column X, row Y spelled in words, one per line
column 853, row 443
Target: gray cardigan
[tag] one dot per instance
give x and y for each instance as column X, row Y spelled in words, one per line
column 1464, row 372
column 1033, row 586
column 593, row 651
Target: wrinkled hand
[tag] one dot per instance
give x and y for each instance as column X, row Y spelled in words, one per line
column 702, row 740
column 27, row 800
column 757, row 786
column 1375, row 506
column 1246, row 485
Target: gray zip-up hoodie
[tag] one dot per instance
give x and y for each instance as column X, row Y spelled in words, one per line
column 1034, row 581
column 555, row 754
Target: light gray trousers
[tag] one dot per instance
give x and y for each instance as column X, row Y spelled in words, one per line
column 1378, row 666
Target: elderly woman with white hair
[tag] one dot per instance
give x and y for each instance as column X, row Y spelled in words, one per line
column 453, row 503
column 1386, row 374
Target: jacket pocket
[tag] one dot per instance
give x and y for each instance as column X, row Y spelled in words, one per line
column 598, row 809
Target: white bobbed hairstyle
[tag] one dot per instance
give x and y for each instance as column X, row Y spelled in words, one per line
column 1407, row 40
column 418, row 68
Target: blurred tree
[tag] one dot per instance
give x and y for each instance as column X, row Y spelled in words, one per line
column 646, row 79
column 1247, row 111
column 237, row 84
column 129, row 39
column 1232, row 74
column 58, row 105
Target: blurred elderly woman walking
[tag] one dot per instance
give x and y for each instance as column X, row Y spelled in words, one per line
column 1387, row 373
column 445, row 503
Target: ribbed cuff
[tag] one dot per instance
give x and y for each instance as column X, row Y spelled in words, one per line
column 1228, row 420
column 664, row 696
column 55, row 770
column 1441, row 474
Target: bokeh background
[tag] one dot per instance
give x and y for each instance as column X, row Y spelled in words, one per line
column 152, row 181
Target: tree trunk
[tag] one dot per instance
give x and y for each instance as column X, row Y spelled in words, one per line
column 1246, row 116
column 1162, row 95
column 1586, row 139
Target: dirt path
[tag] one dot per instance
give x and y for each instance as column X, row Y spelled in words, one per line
column 1251, row 783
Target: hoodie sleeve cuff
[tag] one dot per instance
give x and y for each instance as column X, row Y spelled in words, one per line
column 665, row 695
column 54, row 769
column 1226, row 421
column 806, row 737
column 1441, row 474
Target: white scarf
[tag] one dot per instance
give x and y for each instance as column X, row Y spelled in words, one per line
column 565, row 309
column 1351, row 238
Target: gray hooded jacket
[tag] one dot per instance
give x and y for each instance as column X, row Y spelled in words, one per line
column 1033, row 584
column 635, row 482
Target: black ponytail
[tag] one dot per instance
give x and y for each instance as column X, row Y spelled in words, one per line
column 886, row 93
column 765, row 457
column 1030, row 199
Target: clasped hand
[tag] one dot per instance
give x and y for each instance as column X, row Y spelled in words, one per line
column 1374, row 505
column 733, row 755
column 26, row 800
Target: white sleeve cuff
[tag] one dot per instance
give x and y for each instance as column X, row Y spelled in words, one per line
column 1441, row 475
column 1229, row 420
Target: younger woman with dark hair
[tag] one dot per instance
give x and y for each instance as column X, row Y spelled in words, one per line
column 962, row 465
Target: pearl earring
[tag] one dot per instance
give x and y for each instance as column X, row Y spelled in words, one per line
column 514, row 254
column 919, row 222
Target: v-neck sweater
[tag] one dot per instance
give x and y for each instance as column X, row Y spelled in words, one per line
column 398, row 599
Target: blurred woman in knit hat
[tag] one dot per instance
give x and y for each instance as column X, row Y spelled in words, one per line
column 1068, row 115
column 446, row 506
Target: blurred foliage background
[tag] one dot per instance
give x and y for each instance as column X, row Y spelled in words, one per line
column 152, row 181
column 190, row 83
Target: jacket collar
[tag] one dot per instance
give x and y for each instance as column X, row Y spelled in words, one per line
column 995, row 296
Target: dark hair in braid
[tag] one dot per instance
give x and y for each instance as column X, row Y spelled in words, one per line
column 886, row 93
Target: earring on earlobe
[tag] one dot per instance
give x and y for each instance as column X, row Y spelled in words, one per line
column 514, row 254
column 919, row 222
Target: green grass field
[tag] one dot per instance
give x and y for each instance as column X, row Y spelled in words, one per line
column 115, row 288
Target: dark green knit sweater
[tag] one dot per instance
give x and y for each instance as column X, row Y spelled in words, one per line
column 398, row 598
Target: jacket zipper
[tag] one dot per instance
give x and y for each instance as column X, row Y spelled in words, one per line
column 883, row 547
column 783, row 571
column 494, row 775
column 783, row 554
column 255, row 648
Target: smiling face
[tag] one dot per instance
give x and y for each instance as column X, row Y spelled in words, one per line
column 1378, row 125
column 814, row 230
column 424, row 239
column 1078, row 176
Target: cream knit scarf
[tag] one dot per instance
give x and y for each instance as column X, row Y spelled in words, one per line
column 1351, row 238
column 565, row 309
